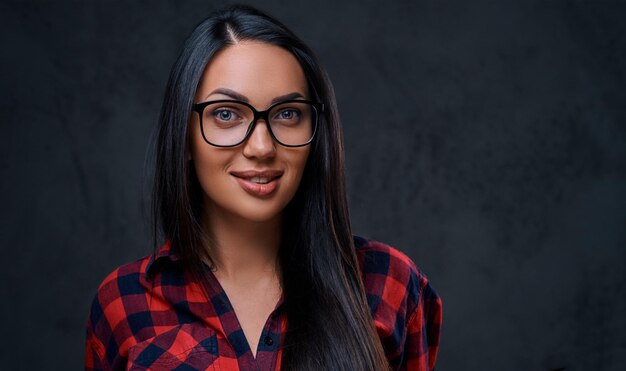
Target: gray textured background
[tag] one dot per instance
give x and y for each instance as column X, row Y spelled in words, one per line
column 488, row 141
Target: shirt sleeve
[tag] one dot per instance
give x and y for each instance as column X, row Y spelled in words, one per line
column 94, row 351
column 101, row 350
column 423, row 331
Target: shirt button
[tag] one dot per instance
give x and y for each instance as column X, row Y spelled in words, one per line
column 268, row 340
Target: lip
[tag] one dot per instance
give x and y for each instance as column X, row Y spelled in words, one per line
column 243, row 178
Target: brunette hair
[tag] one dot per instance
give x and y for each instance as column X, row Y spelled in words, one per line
column 329, row 323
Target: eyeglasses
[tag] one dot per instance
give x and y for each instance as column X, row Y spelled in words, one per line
column 228, row 123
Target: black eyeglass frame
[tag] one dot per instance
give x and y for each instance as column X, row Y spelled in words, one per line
column 318, row 107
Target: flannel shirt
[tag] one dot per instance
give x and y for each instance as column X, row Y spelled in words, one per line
column 150, row 315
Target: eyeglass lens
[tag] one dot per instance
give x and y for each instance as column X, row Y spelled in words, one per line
column 226, row 123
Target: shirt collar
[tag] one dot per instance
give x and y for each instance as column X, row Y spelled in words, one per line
column 165, row 256
column 160, row 258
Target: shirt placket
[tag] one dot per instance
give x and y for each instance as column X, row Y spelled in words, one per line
column 270, row 337
column 269, row 342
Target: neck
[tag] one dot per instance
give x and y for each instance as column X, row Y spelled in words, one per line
column 243, row 249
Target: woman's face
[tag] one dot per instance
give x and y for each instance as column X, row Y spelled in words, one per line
column 255, row 180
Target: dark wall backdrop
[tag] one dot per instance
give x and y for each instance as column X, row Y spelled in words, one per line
column 485, row 139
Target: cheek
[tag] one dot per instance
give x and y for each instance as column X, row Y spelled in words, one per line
column 211, row 168
column 209, row 162
column 298, row 163
column 302, row 161
column 204, row 155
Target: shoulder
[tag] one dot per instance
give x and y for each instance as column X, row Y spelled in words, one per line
column 382, row 254
column 385, row 267
column 404, row 306
column 126, row 280
column 131, row 282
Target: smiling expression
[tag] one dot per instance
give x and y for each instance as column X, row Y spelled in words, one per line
column 255, row 180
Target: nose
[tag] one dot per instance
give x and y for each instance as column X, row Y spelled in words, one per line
column 260, row 144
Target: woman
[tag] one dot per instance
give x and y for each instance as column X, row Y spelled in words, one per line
column 259, row 270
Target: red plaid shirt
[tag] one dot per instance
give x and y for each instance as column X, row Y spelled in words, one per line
column 149, row 315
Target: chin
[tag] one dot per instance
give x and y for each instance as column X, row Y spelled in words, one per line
column 258, row 216
column 255, row 211
column 263, row 212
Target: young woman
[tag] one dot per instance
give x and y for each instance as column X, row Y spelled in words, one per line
column 259, row 269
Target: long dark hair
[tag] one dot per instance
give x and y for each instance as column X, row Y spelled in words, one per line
column 329, row 322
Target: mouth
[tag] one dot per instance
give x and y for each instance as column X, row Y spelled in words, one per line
column 258, row 183
column 259, row 180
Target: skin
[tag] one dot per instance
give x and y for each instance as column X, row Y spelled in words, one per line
column 246, row 227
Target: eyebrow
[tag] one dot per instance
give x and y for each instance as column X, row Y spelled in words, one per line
column 233, row 94
column 289, row 96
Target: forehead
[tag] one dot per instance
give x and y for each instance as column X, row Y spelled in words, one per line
column 254, row 69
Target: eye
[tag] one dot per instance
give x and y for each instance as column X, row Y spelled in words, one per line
column 288, row 114
column 224, row 114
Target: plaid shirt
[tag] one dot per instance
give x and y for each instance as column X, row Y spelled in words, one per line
column 149, row 315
